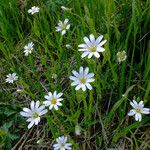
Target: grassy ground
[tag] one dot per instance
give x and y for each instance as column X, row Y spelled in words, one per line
column 101, row 112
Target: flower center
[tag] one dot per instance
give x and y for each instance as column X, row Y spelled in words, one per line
column 138, row 110
column 62, row 144
column 92, row 48
column 29, row 50
column 35, row 115
column 53, row 101
column 83, row 80
column 64, row 26
column 121, row 55
column 11, row 78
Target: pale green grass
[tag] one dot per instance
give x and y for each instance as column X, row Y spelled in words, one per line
column 101, row 112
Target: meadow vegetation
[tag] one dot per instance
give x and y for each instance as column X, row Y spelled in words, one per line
column 94, row 119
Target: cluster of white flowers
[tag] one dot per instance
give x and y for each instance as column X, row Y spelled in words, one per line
column 81, row 79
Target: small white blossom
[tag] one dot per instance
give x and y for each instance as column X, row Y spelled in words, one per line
column 53, row 100
column 33, row 10
column 121, row 56
column 28, row 48
column 77, row 130
column 92, row 46
column 138, row 110
column 40, row 141
column 82, row 79
column 65, row 8
column 34, row 113
column 54, row 76
column 11, row 78
column 62, row 144
column 63, row 26
column 68, row 46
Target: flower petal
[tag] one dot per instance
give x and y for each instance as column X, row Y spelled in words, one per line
column 131, row 112
column 146, row 111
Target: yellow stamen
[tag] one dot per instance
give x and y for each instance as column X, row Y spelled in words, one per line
column 83, row 80
column 92, row 48
column 53, row 101
column 35, row 115
column 138, row 110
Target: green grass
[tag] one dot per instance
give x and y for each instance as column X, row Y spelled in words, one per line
column 101, row 112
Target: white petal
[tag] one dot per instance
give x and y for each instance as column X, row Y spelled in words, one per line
column 90, row 75
column 24, row 114
column 59, row 95
column 82, row 45
column 31, row 124
column 90, row 80
column 96, row 54
column 68, row 27
column 88, row 86
column 146, row 111
column 27, row 110
column 86, row 71
column 83, row 87
column 75, row 73
column 87, row 41
column 60, row 99
column 83, row 50
column 37, row 104
column 55, row 94
column 131, row 112
column 100, row 49
column 32, row 105
column 138, row 117
column 63, row 32
column 51, row 106
column 56, row 107
column 73, row 78
column 66, row 21
column 141, row 104
column 92, row 38
column 46, row 103
column 90, row 55
column 135, row 103
column 78, row 87
column 75, row 83
column 43, row 112
column 99, row 39
column 132, row 104
column 81, row 70
column 37, row 120
column 84, row 54
column 59, row 104
column 41, row 108
column 102, row 43
column 47, row 97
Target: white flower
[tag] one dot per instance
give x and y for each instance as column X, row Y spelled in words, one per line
column 138, row 110
column 65, row 8
column 62, row 144
column 77, row 130
column 54, row 76
column 82, row 79
column 53, row 100
column 28, row 48
column 63, row 26
column 34, row 113
column 11, row 78
column 68, row 46
column 92, row 46
column 121, row 56
column 33, row 10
